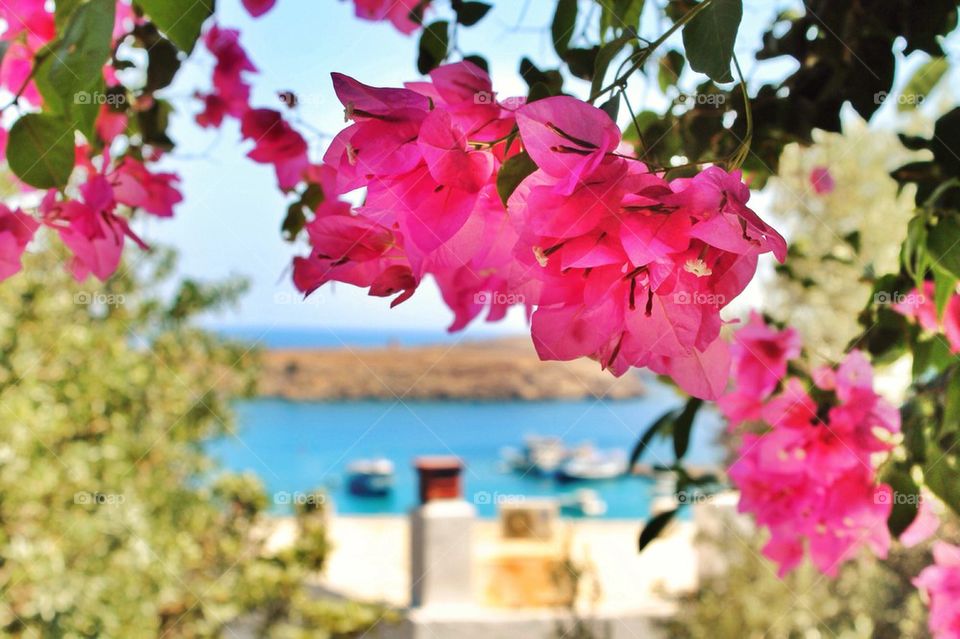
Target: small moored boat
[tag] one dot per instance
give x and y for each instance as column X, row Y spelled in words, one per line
column 370, row 477
column 594, row 466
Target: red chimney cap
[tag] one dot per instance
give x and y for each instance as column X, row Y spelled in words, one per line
column 439, row 477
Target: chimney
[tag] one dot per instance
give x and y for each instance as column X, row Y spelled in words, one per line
column 441, row 536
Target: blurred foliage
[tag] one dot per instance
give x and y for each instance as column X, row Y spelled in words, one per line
column 112, row 521
column 870, row 599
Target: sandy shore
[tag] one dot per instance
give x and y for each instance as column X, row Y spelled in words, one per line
column 506, row 369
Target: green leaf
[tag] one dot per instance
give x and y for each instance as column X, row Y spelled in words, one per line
column 620, row 14
column 70, row 76
column 512, row 173
column 709, row 37
column 654, row 527
column 564, row 23
column 657, row 427
column 940, row 476
column 906, row 499
column 951, row 406
column 294, row 222
column 582, row 62
column 181, row 20
column 671, row 65
column 470, row 13
column 943, row 244
column 944, row 287
column 604, row 57
column 922, row 83
column 612, row 107
column 683, row 426
column 153, row 124
column 40, row 150
column 433, row 46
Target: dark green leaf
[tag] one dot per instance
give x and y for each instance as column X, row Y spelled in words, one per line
column 294, row 222
column 40, row 150
column 582, row 62
column 433, row 46
column 479, row 60
column 512, row 174
column 671, row 65
column 564, row 23
column 906, row 499
column 709, row 37
column 652, row 431
column 153, row 124
column 951, row 406
column 612, row 107
column 940, row 476
column 470, row 13
column 683, row 425
column 620, row 14
column 181, row 20
column 654, row 527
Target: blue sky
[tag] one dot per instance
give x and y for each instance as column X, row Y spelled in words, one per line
column 229, row 221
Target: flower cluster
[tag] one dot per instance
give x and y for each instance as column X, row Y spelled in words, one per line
column 809, row 476
column 920, row 306
column 941, row 583
column 619, row 263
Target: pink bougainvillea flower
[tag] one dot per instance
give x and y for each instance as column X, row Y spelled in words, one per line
column 941, row 584
column 29, row 17
column 16, row 231
column 822, row 181
column 810, row 476
column 276, row 143
column 921, row 307
column 566, row 137
column 110, row 123
column 257, row 8
column 396, row 11
column 924, row 525
column 231, row 91
column 760, row 355
column 89, row 228
column 136, row 186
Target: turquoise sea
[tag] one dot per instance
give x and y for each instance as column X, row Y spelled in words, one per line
column 298, row 446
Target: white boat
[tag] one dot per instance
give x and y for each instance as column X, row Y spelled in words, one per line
column 540, row 454
column 594, row 466
column 583, row 503
column 370, row 477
